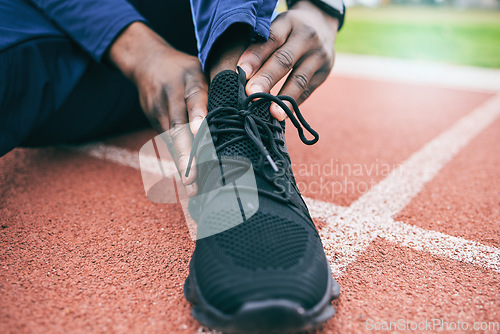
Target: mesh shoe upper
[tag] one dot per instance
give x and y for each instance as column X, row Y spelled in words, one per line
column 277, row 252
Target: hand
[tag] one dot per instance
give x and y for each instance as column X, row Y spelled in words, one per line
column 172, row 87
column 301, row 40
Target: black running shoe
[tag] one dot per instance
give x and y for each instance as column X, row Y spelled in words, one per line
column 269, row 273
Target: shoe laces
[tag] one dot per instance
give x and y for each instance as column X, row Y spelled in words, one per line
column 245, row 124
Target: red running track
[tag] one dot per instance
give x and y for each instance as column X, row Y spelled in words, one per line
column 83, row 250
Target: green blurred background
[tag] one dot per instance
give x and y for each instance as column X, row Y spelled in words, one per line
column 465, row 32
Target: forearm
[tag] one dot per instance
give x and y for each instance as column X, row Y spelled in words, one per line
column 93, row 24
column 135, row 48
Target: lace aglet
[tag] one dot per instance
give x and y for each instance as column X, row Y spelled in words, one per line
column 271, row 161
column 188, row 167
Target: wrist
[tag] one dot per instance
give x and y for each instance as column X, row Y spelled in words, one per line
column 133, row 50
column 332, row 21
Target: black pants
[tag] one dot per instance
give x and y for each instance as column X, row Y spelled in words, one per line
column 104, row 102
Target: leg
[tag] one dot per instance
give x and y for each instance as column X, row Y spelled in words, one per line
column 172, row 20
column 56, row 93
column 35, row 79
column 227, row 50
column 267, row 271
column 104, row 102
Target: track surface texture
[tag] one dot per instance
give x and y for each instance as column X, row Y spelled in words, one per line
column 404, row 186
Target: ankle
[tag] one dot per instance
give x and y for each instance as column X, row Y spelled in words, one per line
column 227, row 50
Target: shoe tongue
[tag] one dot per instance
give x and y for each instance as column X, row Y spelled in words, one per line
column 223, row 90
column 228, row 90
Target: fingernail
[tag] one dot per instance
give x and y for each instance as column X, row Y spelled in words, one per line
column 282, row 115
column 195, row 124
column 255, row 88
column 191, row 190
column 277, row 112
column 182, row 168
column 247, row 69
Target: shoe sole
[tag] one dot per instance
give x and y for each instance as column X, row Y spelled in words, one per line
column 273, row 315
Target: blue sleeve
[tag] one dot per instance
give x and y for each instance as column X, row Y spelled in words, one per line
column 93, row 24
column 211, row 18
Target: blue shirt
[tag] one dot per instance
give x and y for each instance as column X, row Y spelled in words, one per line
column 212, row 18
column 94, row 24
column 47, row 45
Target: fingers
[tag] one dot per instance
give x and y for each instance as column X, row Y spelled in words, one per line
column 156, row 110
column 306, row 76
column 191, row 105
column 301, row 45
column 256, row 54
column 181, row 136
column 287, row 51
column 196, row 99
column 317, row 79
column 278, row 65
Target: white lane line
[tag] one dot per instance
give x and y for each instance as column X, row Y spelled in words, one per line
column 350, row 230
column 349, row 233
column 125, row 157
column 419, row 72
column 320, row 209
column 393, row 193
column 441, row 244
column 110, row 153
column 347, row 236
